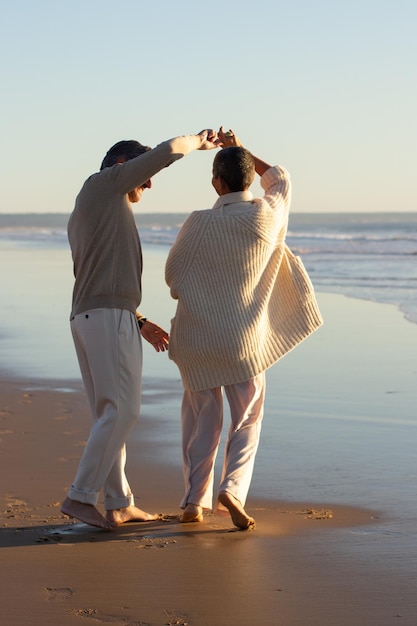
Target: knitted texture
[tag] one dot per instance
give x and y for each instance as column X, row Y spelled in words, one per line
column 243, row 299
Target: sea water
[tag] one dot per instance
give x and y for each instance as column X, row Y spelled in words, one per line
column 370, row 256
column 333, row 429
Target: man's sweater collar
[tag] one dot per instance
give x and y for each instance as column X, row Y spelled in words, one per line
column 232, row 198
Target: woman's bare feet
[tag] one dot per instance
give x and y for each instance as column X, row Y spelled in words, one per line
column 238, row 514
column 86, row 513
column 192, row 513
column 130, row 514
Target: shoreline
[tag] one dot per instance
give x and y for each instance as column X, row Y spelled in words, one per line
column 47, row 379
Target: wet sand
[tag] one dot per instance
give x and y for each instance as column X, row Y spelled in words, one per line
column 307, row 563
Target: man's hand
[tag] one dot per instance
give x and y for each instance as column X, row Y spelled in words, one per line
column 209, row 139
column 155, row 335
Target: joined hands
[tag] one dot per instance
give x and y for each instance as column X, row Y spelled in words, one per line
column 218, row 139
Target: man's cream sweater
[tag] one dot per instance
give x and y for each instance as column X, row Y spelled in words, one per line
column 228, row 269
column 102, row 232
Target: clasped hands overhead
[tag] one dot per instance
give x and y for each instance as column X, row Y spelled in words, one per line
column 218, row 139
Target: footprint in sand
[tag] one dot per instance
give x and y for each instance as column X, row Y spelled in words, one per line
column 59, row 594
column 318, row 514
column 15, row 507
column 26, row 398
column 5, row 432
column 177, row 618
column 68, row 459
column 151, row 542
column 96, row 616
column 63, row 418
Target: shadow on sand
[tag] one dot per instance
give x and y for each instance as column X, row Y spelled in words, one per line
column 165, row 529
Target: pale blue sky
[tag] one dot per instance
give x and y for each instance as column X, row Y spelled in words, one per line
column 327, row 89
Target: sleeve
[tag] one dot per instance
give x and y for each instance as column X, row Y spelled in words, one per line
column 184, row 249
column 277, row 186
column 137, row 171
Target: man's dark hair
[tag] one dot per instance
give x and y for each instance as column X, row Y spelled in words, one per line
column 127, row 149
column 236, row 166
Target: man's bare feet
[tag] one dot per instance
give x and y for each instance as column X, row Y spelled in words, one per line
column 130, row 514
column 238, row 514
column 86, row 513
column 192, row 513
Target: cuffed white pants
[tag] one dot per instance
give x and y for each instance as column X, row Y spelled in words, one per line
column 202, row 421
column 109, row 351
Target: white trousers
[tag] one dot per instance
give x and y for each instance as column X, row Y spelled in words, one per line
column 109, row 351
column 202, row 421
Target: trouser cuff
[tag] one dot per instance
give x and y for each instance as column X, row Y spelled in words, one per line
column 111, row 504
column 86, row 497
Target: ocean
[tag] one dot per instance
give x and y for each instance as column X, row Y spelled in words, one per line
column 367, row 256
column 340, row 412
column 361, row 255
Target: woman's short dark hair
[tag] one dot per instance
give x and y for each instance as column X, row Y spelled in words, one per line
column 127, row 149
column 236, row 166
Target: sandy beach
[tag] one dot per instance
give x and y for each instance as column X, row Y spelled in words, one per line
column 345, row 558
column 150, row 573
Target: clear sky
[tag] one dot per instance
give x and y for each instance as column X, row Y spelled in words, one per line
column 326, row 88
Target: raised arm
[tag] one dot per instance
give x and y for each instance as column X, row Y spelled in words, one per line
column 228, row 139
column 135, row 171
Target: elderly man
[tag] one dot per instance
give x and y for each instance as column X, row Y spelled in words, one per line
column 106, row 324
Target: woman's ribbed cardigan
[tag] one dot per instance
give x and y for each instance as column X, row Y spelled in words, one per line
column 232, row 274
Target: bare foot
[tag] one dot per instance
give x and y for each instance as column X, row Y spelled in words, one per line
column 86, row 513
column 130, row 514
column 238, row 514
column 192, row 513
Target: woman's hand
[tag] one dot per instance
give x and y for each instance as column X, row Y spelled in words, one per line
column 228, row 139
